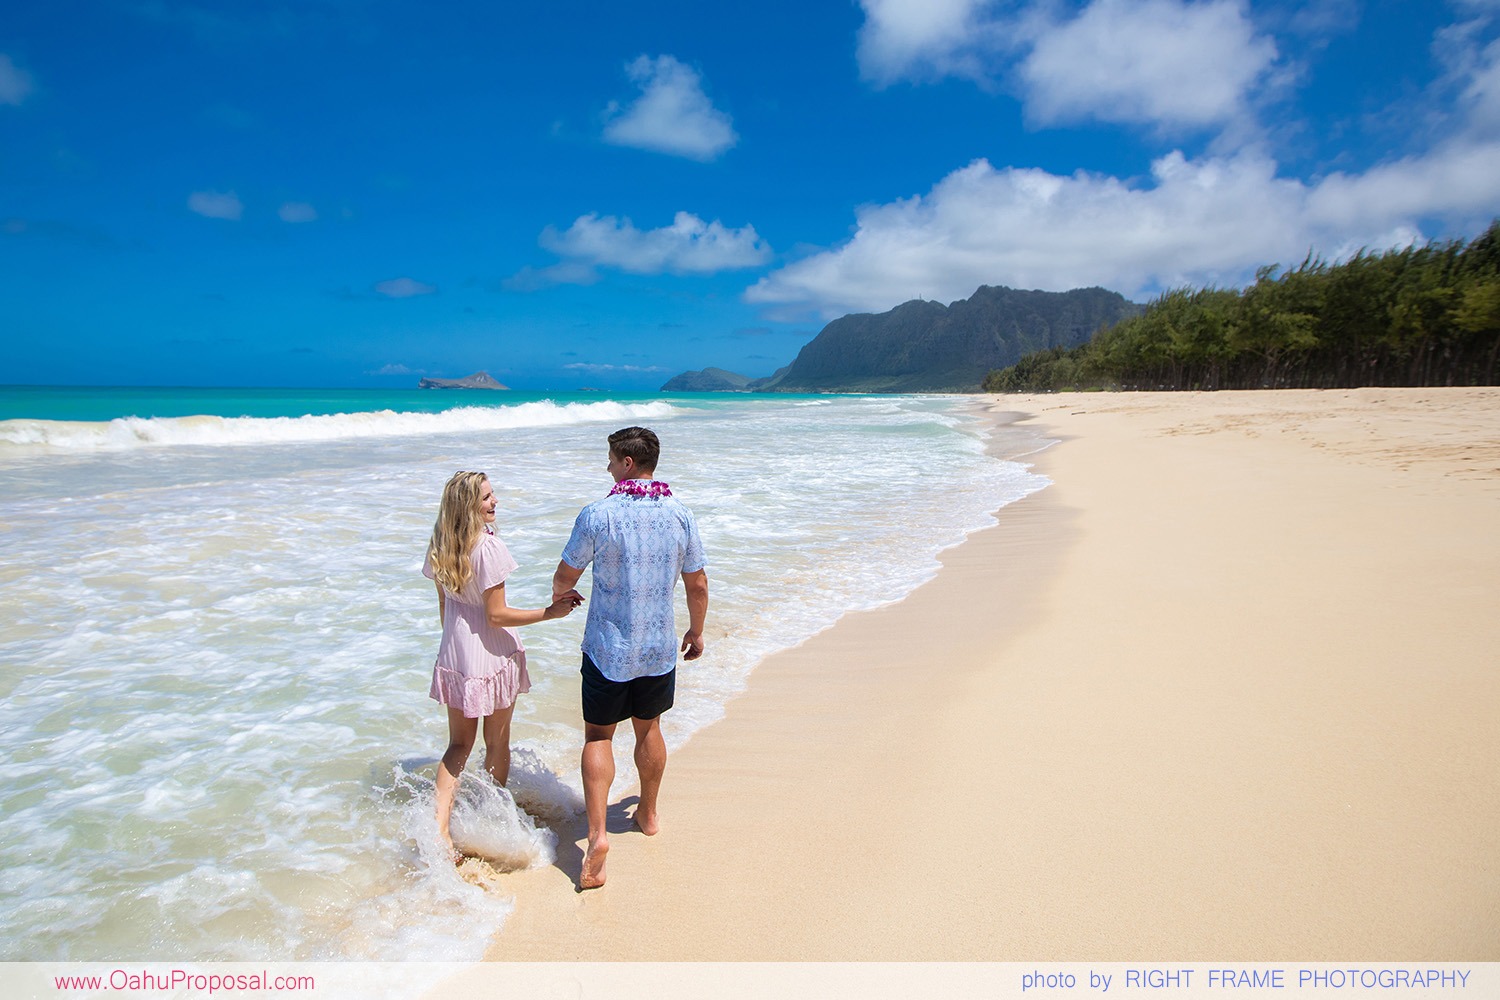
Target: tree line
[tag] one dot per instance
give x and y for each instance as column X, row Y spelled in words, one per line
column 1420, row 316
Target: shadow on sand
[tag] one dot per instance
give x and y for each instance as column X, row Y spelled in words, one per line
column 619, row 818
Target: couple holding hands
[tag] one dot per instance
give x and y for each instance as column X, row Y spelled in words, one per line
column 640, row 539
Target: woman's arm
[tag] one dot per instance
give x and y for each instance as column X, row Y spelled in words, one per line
column 502, row 615
column 442, row 611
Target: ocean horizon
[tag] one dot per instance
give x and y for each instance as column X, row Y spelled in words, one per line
column 104, row 403
column 215, row 670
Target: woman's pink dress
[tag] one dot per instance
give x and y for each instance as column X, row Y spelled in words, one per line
column 479, row 669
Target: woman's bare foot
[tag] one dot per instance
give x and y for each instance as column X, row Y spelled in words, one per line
column 649, row 822
column 453, row 853
column 592, row 875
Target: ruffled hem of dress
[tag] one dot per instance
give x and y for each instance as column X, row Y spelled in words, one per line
column 477, row 697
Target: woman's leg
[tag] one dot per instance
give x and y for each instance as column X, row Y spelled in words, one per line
column 497, row 743
column 461, row 733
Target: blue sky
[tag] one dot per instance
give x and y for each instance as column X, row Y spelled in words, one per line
column 340, row 193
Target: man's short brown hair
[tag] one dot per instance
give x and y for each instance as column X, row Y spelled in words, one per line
column 640, row 444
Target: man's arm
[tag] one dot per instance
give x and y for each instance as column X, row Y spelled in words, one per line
column 565, row 579
column 696, row 585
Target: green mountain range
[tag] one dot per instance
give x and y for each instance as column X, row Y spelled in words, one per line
column 923, row 346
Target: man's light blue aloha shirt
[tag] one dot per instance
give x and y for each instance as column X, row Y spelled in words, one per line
column 639, row 547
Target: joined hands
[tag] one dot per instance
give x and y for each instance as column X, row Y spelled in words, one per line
column 563, row 604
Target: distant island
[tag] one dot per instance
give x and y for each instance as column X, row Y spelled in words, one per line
column 479, row 380
column 922, row 346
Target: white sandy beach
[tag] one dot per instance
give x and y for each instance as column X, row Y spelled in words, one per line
column 1226, row 690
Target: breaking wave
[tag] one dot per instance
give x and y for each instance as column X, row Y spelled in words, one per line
column 126, row 433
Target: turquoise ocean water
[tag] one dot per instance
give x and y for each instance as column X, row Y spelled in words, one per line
column 215, row 737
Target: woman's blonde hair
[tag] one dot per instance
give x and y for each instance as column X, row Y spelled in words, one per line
column 459, row 524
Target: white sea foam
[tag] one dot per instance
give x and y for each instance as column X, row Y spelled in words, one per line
column 125, row 433
column 214, row 668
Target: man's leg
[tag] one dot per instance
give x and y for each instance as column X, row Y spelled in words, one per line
column 650, row 764
column 598, row 774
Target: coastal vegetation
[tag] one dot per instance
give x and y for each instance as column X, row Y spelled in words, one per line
column 1420, row 316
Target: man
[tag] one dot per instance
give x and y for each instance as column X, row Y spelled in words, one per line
column 640, row 539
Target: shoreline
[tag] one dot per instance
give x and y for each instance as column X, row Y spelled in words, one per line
column 1222, row 691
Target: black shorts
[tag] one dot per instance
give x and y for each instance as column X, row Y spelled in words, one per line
column 606, row 702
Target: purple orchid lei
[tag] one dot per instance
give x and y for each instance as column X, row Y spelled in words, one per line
column 650, row 489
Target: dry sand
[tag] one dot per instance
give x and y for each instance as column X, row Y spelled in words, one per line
column 1227, row 690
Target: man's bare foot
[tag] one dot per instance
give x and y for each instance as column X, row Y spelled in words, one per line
column 650, row 823
column 592, row 875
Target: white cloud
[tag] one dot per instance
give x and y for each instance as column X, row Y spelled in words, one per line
column 1468, row 93
column 688, row 246
column 216, row 204
column 1209, row 221
column 590, row 367
column 1168, row 63
column 1480, row 99
column 671, row 115
column 922, row 39
column 569, row 272
column 1157, row 62
column 297, row 211
column 1319, row 18
column 403, row 288
column 15, row 83
column 1461, row 180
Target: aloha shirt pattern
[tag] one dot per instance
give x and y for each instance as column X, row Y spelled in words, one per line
column 640, row 540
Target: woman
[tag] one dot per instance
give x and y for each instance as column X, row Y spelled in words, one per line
column 481, row 664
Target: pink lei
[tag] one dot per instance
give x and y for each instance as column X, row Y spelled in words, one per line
column 651, row 489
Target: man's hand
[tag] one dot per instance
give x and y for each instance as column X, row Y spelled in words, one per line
column 692, row 645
